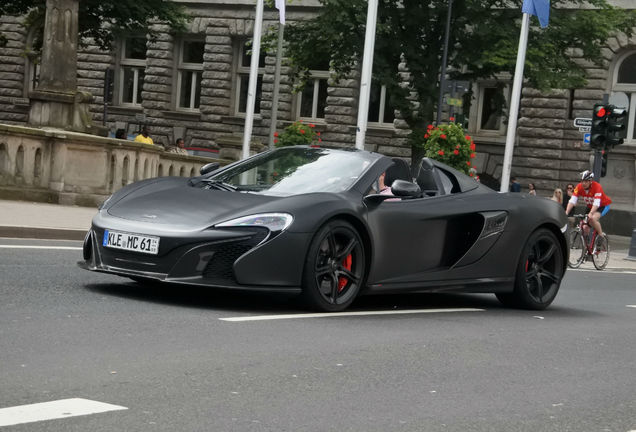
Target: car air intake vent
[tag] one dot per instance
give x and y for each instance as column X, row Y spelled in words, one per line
column 220, row 268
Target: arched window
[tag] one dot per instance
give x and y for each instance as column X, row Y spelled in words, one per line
column 624, row 90
column 33, row 56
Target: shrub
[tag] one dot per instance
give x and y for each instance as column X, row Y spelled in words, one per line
column 448, row 144
column 297, row 133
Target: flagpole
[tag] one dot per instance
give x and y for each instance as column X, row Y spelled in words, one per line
column 251, row 88
column 514, row 103
column 367, row 69
column 279, row 49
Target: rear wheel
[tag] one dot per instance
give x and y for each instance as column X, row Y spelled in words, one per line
column 539, row 272
column 600, row 257
column 335, row 267
column 577, row 249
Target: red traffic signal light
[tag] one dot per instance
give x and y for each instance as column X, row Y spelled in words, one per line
column 600, row 112
column 598, row 134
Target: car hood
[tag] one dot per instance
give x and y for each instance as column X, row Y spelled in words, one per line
column 179, row 204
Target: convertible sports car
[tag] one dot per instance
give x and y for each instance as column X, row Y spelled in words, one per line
column 312, row 221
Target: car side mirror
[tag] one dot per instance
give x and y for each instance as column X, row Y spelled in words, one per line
column 208, row 168
column 405, row 189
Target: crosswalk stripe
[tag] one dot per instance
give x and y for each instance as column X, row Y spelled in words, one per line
column 58, row 409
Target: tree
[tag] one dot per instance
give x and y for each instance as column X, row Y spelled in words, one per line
column 103, row 20
column 483, row 42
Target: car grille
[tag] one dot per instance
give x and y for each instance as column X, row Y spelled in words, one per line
column 220, row 268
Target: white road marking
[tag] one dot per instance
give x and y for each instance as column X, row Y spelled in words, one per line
column 607, row 270
column 631, row 306
column 53, row 410
column 39, row 247
column 342, row 314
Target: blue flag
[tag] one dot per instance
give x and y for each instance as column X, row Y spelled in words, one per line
column 539, row 8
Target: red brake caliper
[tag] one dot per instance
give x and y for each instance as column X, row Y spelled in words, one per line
column 346, row 263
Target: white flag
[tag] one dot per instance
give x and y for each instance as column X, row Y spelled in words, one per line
column 280, row 5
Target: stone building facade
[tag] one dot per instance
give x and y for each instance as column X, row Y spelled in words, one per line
column 193, row 86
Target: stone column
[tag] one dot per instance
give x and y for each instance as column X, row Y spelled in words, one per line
column 56, row 102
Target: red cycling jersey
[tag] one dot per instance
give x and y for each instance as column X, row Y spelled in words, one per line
column 594, row 196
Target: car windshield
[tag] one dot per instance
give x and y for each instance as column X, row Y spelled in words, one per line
column 296, row 170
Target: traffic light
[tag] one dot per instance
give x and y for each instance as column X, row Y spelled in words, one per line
column 598, row 135
column 616, row 126
column 604, row 164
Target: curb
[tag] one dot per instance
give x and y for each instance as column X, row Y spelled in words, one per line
column 42, row 233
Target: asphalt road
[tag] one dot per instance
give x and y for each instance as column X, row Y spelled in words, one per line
column 166, row 355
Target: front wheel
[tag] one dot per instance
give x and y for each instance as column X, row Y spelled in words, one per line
column 577, row 249
column 539, row 272
column 600, row 256
column 334, row 268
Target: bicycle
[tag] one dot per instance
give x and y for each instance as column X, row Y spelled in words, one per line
column 586, row 243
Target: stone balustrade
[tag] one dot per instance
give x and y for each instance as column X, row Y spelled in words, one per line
column 52, row 165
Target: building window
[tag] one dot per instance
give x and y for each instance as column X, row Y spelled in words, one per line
column 312, row 100
column 243, row 78
column 190, row 68
column 381, row 110
column 492, row 103
column 624, row 90
column 132, row 65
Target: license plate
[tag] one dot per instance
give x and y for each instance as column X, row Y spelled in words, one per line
column 131, row 242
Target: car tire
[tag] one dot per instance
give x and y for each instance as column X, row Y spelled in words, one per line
column 335, row 267
column 539, row 272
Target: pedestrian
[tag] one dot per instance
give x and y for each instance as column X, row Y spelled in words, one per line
column 178, row 147
column 120, row 133
column 531, row 189
column 515, row 186
column 557, row 196
column 144, row 136
column 569, row 190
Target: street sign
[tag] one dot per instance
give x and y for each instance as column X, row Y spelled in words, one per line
column 585, row 129
column 454, row 101
column 583, row 122
column 586, row 138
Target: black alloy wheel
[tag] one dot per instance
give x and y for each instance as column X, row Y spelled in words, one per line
column 539, row 272
column 334, row 268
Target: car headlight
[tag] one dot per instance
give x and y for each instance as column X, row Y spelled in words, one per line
column 275, row 222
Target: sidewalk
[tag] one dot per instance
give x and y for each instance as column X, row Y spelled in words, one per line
column 21, row 219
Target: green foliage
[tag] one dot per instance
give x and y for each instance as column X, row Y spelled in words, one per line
column 102, row 20
column 483, row 43
column 447, row 143
column 297, row 133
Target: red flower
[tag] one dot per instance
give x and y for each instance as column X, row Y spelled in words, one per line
column 319, row 139
column 312, row 125
column 467, row 137
column 472, row 155
column 427, row 136
column 318, row 133
column 302, row 131
column 275, row 140
column 456, row 152
column 275, row 134
column 452, row 119
column 441, row 152
column 442, row 136
column 471, row 174
column 468, row 163
column 429, row 127
column 457, row 146
column 472, row 146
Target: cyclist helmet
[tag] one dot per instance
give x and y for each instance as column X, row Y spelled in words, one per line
column 587, row 175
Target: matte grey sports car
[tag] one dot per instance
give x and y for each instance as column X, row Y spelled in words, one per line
column 312, row 221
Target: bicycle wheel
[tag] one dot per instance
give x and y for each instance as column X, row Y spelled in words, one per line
column 600, row 257
column 577, row 249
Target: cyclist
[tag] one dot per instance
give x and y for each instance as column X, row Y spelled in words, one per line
column 593, row 196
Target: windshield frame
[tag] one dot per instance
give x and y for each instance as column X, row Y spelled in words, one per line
column 234, row 170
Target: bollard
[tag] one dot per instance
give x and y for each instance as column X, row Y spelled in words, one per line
column 632, row 248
